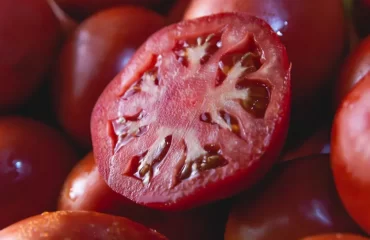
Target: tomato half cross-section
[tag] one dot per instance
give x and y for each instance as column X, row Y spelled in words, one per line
column 199, row 114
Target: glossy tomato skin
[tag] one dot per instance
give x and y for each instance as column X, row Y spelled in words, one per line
column 297, row 199
column 173, row 190
column 34, row 160
column 350, row 158
column 356, row 66
column 92, row 57
column 336, row 236
column 84, row 189
column 27, row 48
column 312, row 31
column 81, row 9
column 78, row 225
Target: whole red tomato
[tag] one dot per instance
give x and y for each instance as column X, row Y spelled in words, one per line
column 84, row 189
column 297, row 199
column 350, row 152
column 199, row 113
column 80, row 9
column 355, row 67
column 312, row 31
column 34, row 160
column 95, row 53
column 336, row 236
column 76, row 225
column 29, row 34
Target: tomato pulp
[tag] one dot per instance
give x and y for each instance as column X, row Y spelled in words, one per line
column 199, row 113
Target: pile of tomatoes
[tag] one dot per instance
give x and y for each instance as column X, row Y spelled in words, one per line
column 185, row 120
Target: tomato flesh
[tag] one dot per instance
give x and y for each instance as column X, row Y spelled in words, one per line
column 350, row 152
column 202, row 106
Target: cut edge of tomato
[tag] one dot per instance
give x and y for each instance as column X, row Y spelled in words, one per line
column 245, row 177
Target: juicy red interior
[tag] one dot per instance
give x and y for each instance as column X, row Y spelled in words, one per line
column 202, row 108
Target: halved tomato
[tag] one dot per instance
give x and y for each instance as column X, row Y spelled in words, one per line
column 199, row 113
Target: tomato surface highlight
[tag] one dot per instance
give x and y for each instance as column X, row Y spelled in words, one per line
column 76, row 225
column 296, row 199
column 200, row 113
column 34, row 160
column 92, row 57
column 29, row 34
column 350, row 152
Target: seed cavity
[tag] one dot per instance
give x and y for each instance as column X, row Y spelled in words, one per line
column 145, row 166
column 211, row 159
column 126, row 128
column 231, row 121
column 197, row 50
column 258, row 97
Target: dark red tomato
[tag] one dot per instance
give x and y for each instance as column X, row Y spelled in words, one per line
column 199, row 114
column 362, row 16
column 34, row 161
column 297, row 199
column 355, row 68
column 316, row 143
column 29, row 34
column 336, row 236
column 80, row 9
column 177, row 11
column 350, row 152
column 75, row 225
column 312, row 31
column 92, row 57
column 84, row 189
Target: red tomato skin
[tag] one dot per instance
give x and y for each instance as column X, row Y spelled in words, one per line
column 297, row 199
column 312, row 31
column 350, row 158
column 356, row 66
column 82, row 75
column 78, row 225
column 81, row 9
column 84, row 189
column 102, row 146
column 34, row 161
column 29, row 36
column 336, row 236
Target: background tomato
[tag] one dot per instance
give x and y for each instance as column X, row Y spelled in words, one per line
column 313, row 32
column 34, row 160
column 80, row 9
column 350, row 152
column 97, row 51
column 336, row 236
column 297, row 199
column 316, row 143
column 362, row 16
column 84, row 189
column 78, row 225
column 29, row 34
column 355, row 68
